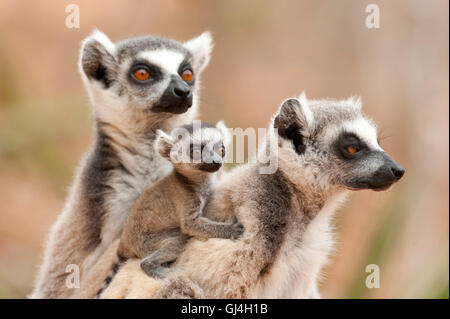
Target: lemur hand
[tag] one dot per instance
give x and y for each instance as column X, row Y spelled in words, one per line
column 237, row 229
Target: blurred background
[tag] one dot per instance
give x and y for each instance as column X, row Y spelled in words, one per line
column 265, row 51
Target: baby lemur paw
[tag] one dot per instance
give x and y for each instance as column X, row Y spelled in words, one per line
column 154, row 270
column 237, row 229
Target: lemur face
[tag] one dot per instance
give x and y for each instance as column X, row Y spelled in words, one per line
column 332, row 143
column 195, row 148
column 363, row 164
column 146, row 73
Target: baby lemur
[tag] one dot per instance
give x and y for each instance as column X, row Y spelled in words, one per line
column 168, row 213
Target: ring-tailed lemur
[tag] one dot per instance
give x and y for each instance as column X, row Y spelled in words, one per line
column 136, row 86
column 169, row 212
column 325, row 148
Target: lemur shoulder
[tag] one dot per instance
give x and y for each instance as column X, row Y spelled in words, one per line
column 169, row 212
column 136, row 86
column 324, row 149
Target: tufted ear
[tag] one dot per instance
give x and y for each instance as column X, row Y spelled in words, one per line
column 303, row 99
column 97, row 60
column 225, row 133
column 355, row 101
column 294, row 122
column 163, row 143
column 200, row 48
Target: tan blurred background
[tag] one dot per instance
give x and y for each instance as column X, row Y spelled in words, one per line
column 265, row 51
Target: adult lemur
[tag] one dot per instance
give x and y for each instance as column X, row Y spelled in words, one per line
column 136, row 86
column 325, row 149
column 169, row 212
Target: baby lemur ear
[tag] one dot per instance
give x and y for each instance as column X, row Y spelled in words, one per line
column 200, row 48
column 225, row 133
column 97, row 60
column 163, row 143
column 294, row 122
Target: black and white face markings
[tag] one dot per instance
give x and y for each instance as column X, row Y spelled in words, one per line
column 148, row 72
column 151, row 73
column 367, row 167
column 335, row 144
column 198, row 147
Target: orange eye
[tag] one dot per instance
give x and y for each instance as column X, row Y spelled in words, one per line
column 187, row 75
column 141, row 74
column 352, row 149
column 222, row 151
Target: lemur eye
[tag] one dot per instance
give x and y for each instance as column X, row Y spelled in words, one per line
column 187, row 75
column 141, row 74
column 352, row 149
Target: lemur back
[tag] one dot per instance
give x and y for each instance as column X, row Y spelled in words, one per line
column 169, row 212
column 324, row 149
column 136, row 86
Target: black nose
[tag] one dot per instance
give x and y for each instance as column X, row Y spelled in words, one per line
column 181, row 91
column 387, row 174
column 398, row 171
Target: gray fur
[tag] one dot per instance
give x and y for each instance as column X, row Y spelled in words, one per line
column 122, row 162
column 132, row 46
column 286, row 215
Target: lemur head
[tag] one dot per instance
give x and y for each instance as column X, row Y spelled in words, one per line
column 198, row 148
column 332, row 145
column 139, row 77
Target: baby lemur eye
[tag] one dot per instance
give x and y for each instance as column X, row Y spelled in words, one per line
column 141, row 74
column 187, row 75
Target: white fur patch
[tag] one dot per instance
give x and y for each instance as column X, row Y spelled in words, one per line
column 225, row 133
column 355, row 101
column 102, row 38
column 201, row 48
column 306, row 110
column 165, row 59
column 365, row 130
column 361, row 127
column 207, row 135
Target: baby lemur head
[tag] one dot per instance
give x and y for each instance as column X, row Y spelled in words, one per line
column 196, row 149
column 139, row 77
column 331, row 145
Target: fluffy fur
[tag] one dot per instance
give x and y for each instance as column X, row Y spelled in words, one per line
column 286, row 215
column 121, row 163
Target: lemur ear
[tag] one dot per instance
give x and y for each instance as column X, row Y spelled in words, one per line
column 294, row 113
column 97, row 60
column 303, row 99
column 355, row 101
column 294, row 122
column 225, row 133
column 163, row 143
column 200, row 47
